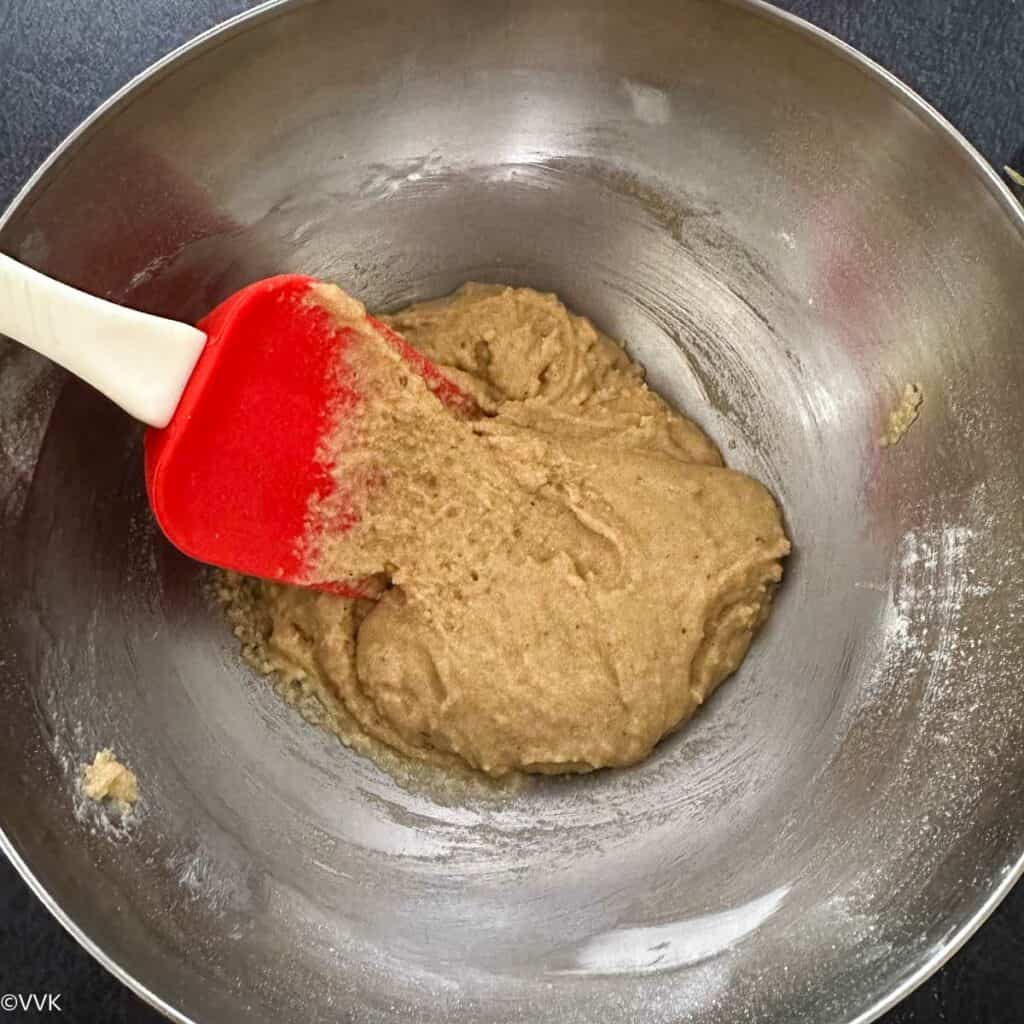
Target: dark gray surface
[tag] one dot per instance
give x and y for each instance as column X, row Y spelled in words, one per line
column 57, row 61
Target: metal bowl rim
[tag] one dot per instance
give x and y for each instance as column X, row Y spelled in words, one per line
column 942, row 953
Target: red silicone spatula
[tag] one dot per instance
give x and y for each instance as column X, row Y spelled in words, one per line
column 236, row 407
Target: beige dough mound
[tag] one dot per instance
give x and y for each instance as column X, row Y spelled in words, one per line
column 107, row 779
column 562, row 581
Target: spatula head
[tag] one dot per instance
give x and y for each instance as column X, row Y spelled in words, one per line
column 231, row 477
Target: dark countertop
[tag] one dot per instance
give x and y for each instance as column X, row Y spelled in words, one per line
column 60, row 58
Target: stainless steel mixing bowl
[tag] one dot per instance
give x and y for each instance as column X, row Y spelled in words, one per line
column 785, row 237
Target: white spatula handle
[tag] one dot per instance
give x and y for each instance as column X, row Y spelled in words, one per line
column 141, row 362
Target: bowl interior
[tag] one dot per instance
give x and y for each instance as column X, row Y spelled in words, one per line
column 784, row 239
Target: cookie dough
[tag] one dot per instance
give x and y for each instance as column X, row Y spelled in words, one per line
column 107, row 779
column 903, row 416
column 551, row 585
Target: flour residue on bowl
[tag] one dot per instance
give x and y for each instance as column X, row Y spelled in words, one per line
column 929, row 585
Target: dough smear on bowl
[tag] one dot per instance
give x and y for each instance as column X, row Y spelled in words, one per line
column 558, row 583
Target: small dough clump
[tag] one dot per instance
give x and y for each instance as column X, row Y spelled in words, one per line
column 107, row 779
column 551, row 585
column 903, row 416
